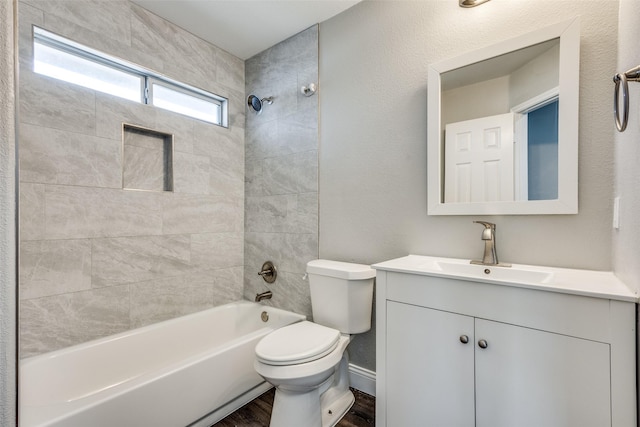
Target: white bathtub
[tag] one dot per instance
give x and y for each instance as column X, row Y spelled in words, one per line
column 193, row 370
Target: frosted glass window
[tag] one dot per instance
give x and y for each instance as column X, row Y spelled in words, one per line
column 70, row 68
column 185, row 103
column 66, row 60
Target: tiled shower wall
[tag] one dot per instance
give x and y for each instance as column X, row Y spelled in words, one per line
column 281, row 207
column 96, row 259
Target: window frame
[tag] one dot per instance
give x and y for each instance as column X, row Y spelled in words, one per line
column 147, row 77
column 193, row 92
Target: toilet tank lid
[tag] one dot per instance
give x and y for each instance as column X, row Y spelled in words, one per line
column 341, row 270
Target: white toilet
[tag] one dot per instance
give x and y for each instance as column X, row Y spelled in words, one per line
column 307, row 362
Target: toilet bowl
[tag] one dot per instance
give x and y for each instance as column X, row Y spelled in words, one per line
column 301, row 382
column 307, row 362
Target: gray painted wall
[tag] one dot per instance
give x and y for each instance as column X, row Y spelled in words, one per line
column 8, row 289
column 96, row 259
column 373, row 190
column 281, row 207
column 626, row 240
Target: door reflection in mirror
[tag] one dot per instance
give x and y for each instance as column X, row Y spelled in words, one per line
column 500, row 121
column 479, row 160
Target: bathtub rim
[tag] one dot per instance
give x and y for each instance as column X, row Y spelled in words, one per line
column 94, row 399
column 152, row 326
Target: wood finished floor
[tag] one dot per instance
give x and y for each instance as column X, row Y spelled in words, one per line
column 257, row 412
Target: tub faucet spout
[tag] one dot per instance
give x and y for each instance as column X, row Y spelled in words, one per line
column 264, row 295
column 490, row 256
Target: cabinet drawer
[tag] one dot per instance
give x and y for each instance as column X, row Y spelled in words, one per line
column 573, row 315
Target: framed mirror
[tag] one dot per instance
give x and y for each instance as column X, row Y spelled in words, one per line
column 502, row 135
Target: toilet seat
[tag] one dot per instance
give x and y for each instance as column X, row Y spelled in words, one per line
column 298, row 343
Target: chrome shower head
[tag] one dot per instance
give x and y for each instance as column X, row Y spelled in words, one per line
column 256, row 103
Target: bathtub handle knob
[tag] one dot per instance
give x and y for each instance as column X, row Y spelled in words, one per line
column 268, row 272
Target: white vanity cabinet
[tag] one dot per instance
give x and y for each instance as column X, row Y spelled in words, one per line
column 455, row 352
column 461, row 371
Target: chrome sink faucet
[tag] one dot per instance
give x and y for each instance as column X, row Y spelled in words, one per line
column 490, row 256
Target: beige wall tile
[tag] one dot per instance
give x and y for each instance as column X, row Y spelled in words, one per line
column 227, row 285
column 296, row 173
column 107, row 19
column 53, row 156
column 226, row 178
column 186, row 213
column 217, row 250
column 59, row 321
column 163, row 299
column 230, row 70
column 292, row 213
column 191, row 173
column 32, row 219
column 123, row 260
column 53, row 267
column 81, row 212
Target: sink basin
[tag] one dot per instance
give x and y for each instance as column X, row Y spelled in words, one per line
column 600, row 284
column 508, row 274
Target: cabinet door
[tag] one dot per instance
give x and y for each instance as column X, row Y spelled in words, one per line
column 527, row 377
column 429, row 370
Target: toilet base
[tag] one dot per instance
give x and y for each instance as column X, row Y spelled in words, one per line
column 310, row 409
column 337, row 399
column 294, row 409
column 321, row 406
column 337, row 409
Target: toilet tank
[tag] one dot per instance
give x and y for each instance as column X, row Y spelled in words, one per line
column 341, row 295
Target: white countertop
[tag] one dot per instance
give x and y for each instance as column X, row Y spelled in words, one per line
column 597, row 284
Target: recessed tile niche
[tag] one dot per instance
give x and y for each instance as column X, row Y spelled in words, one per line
column 148, row 159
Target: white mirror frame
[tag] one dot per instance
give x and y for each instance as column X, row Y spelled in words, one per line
column 567, row 201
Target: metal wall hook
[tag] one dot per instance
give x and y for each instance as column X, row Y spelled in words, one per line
column 621, row 81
